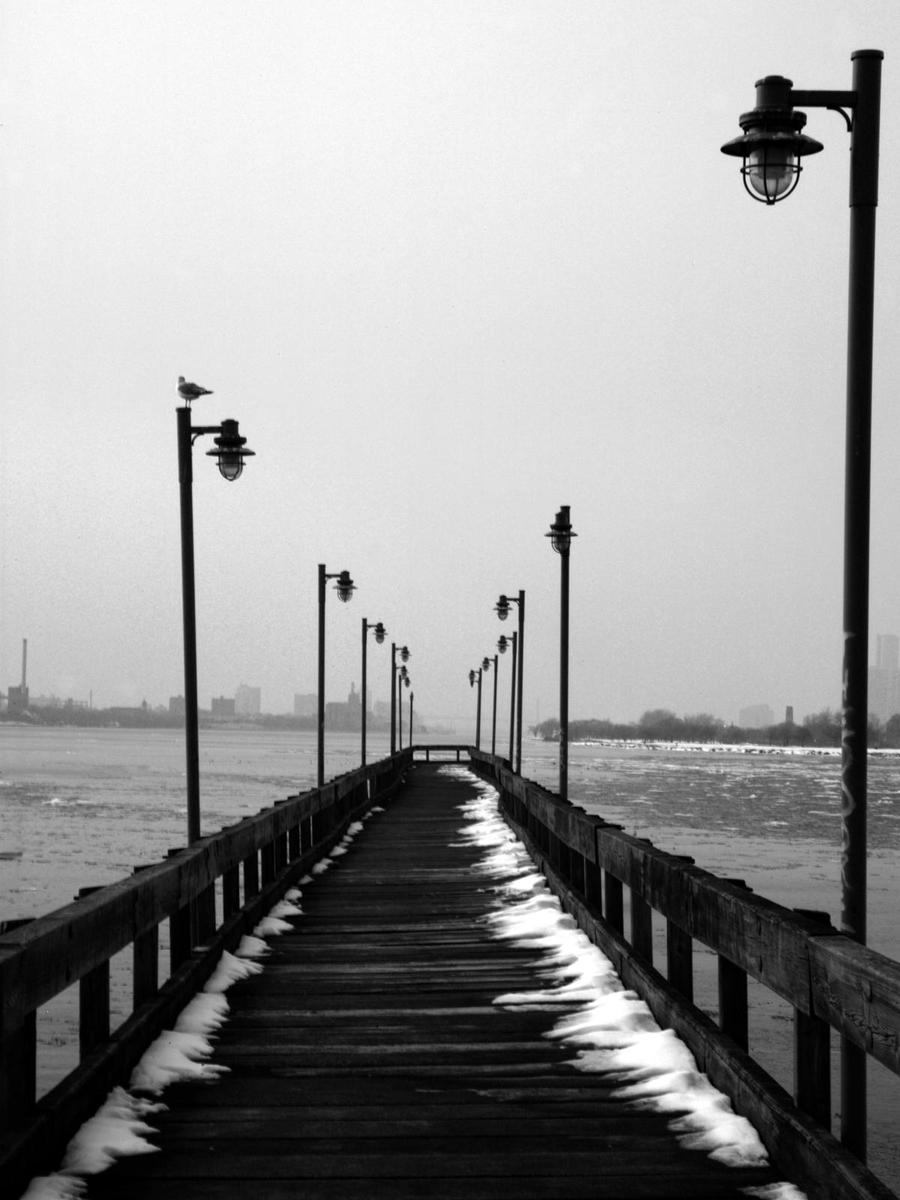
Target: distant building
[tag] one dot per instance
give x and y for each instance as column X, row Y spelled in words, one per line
column 347, row 715
column 17, row 698
column 884, row 677
column 757, row 716
column 305, row 705
column 223, row 708
column 247, row 701
column 177, row 707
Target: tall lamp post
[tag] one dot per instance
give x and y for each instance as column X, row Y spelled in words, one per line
column 380, row 632
column 412, row 696
column 345, row 588
column 230, row 453
column 771, row 149
column 561, row 540
column 475, row 677
column 402, row 682
column 494, row 713
column 502, row 643
column 501, row 608
column 403, row 651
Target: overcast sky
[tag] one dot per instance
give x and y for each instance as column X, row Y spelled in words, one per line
column 451, row 265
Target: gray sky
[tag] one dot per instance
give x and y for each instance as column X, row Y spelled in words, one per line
column 450, row 265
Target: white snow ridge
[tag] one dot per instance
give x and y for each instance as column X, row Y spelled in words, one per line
column 613, row 1030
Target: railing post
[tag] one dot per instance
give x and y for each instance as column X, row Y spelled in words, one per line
column 179, row 931
column 251, row 876
column 93, row 1001
column 18, row 1052
column 641, row 927
column 613, row 905
column 680, row 960
column 733, row 1009
column 145, row 962
column 267, row 855
column 231, row 892
column 812, row 1053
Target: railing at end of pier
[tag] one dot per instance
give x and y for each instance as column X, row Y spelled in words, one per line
column 210, row 894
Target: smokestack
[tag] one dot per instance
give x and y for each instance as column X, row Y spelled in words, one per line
column 24, row 660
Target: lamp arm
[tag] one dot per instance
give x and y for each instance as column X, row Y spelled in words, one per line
column 199, row 430
column 837, row 102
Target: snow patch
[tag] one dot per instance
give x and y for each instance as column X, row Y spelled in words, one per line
column 612, row 1029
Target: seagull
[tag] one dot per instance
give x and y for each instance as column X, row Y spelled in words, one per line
column 191, row 391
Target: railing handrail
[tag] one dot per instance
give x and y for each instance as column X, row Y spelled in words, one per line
column 73, row 945
column 831, row 981
column 35, row 959
column 817, row 969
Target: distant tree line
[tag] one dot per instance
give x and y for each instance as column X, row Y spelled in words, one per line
column 661, row 725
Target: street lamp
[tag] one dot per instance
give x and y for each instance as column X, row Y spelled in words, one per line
column 475, row 677
column 403, row 651
column 502, row 610
column 412, row 696
column 345, row 588
column 561, row 540
column 230, row 453
column 502, row 644
column 770, row 149
column 380, row 631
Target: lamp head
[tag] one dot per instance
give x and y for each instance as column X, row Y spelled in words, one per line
column 380, row 632
column 345, row 587
column 404, row 654
column 471, row 679
column 485, row 663
column 502, row 643
column 772, row 145
column 501, row 608
column 230, row 450
column 561, row 532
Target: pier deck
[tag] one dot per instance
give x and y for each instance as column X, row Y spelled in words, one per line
column 368, row 1059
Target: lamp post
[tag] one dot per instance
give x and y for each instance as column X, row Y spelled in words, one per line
column 770, row 149
column 404, row 657
column 402, row 681
column 412, row 696
column 561, row 540
column 494, row 713
column 230, row 453
column 345, row 588
column 502, row 644
column 502, row 610
column 475, row 677
column 380, row 631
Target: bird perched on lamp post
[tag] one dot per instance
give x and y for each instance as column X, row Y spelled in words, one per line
column 191, row 391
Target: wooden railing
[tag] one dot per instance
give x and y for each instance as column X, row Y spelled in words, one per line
column 209, row 894
column 831, row 982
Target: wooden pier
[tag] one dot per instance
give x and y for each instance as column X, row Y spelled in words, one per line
column 369, row 1058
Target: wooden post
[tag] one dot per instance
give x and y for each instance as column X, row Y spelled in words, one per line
column 680, row 960
column 733, row 1012
column 18, row 1052
column 145, row 963
column 231, row 892
column 641, row 927
column 251, row 876
column 812, row 1054
column 267, row 855
column 613, row 907
column 93, row 1001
